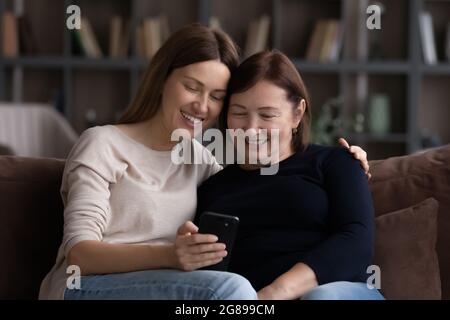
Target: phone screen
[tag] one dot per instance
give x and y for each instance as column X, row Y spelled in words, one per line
column 225, row 228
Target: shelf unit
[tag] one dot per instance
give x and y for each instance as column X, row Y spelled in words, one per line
column 107, row 85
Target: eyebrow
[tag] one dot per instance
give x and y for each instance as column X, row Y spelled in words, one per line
column 260, row 108
column 201, row 83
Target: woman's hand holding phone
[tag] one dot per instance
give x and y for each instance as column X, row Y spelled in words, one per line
column 194, row 250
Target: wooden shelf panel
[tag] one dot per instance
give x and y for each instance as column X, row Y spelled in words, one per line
column 44, row 61
column 321, row 88
column 74, row 62
column 42, row 17
column 100, row 64
column 298, row 20
column 393, row 36
column 43, row 85
column 179, row 13
column 440, row 68
column 99, row 13
column 237, row 24
column 388, row 67
column 110, row 95
column 434, row 111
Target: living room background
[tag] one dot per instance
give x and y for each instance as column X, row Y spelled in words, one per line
column 378, row 88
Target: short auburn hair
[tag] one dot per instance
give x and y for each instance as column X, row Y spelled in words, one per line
column 277, row 68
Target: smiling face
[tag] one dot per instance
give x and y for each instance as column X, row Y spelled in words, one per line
column 193, row 96
column 265, row 106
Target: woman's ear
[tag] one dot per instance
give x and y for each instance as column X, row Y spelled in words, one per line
column 299, row 111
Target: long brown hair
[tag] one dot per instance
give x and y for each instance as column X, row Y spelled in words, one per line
column 190, row 44
column 277, row 68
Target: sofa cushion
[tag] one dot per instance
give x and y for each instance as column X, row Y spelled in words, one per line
column 405, row 251
column 402, row 182
column 31, row 223
column 30, row 237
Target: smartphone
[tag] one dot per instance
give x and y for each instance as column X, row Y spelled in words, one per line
column 223, row 226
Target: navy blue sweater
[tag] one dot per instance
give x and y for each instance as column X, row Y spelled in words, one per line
column 317, row 210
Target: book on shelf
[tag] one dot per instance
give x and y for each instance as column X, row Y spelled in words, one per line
column 140, row 41
column 214, row 23
column 355, row 44
column 10, row 39
column 18, row 37
column 27, row 40
column 325, row 42
column 257, row 36
column 427, row 37
column 115, row 34
column 447, row 43
column 77, row 44
column 150, row 35
column 336, row 41
column 316, row 40
column 119, row 37
column 125, row 39
column 164, row 26
column 88, row 40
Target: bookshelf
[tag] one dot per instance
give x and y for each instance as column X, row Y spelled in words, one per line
column 82, row 87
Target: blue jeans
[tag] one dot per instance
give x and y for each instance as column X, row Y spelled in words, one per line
column 343, row 290
column 165, row 285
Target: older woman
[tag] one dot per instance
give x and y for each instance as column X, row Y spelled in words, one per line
column 307, row 231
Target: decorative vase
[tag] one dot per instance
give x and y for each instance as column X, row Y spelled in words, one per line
column 379, row 114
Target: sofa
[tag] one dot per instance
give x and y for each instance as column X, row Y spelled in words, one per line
column 411, row 197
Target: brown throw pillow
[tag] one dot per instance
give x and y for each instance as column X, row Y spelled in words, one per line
column 405, row 251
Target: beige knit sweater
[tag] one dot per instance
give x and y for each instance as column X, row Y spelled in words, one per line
column 117, row 190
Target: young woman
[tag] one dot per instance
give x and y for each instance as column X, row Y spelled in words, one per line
column 307, row 231
column 125, row 199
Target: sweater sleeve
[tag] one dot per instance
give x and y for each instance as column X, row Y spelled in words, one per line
column 90, row 168
column 348, row 250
